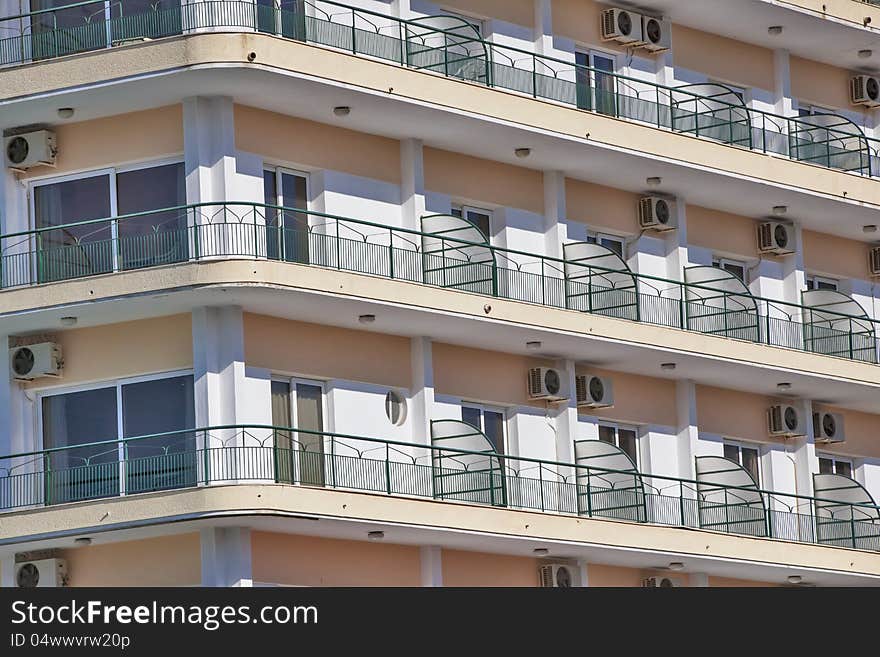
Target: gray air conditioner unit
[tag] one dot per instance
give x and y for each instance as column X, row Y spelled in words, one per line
column 656, row 213
column 785, row 420
column 35, row 360
column 545, row 383
column 874, row 261
column 594, row 391
column 865, row 90
column 623, row 26
column 30, row 150
column 557, row 576
column 828, row 428
column 46, row 573
column 656, row 34
column 775, row 237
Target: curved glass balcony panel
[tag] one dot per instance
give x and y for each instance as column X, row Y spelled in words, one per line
column 729, row 498
column 466, row 465
column 829, row 140
column 836, row 325
column 456, row 254
column 712, row 111
column 609, row 485
column 719, row 303
column 846, row 514
column 599, row 281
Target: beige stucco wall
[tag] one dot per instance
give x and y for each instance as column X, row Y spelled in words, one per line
column 520, row 12
column 721, row 231
column 723, row 59
column 822, row 84
column 835, row 256
column 115, row 351
column 483, row 181
column 602, row 576
column 326, row 352
column 602, row 207
column 116, row 139
column 579, row 20
column 462, row 568
column 637, row 399
column 311, row 145
column 732, row 413
column 742, row 583
column 312, row 561
column 163, row 561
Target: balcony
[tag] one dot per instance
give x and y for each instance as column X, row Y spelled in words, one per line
column 450, row 47
column 603, row 483
column 448, row 253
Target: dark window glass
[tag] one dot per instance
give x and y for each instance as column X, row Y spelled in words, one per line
column 472, row 417
column 731, row 452
column 750, row 462
column 844, row 468
column 494, row 429
column 627, row 442
column 607, row 434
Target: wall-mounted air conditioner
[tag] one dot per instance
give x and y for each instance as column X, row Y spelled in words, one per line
column 661, row 582
column 35, row 360
column 785, row 420
column 656, row 34
column 46, row 573
column 865, row 90
column 545, row 383
column 557, row 576
column 775, row 237
column 656, row 213
column 30, row 149
column 623, row 26
column 828, row 428
column 594, row 391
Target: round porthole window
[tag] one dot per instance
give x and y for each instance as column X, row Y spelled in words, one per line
column 395, row 408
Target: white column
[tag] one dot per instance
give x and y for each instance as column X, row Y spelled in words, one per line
column 401, row 9
column 584, row 571
column 7, row 572
column 543, row 27
column 16, row 412
column 226, row 556
column 431, row 560
column 566, row 415
column 687, row 426
column 794, row 278
column 805, row 460
column 665, row 69
column 208, row 148
column 677, row 243
column 422, row 389
column 412, row 183
column 699, row 580
column 555, row 210
column 782, row 82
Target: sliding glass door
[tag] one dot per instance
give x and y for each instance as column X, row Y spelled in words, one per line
column 300, row 453
column 287, row 232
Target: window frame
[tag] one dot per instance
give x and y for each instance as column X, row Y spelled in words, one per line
column 278, row 170
column 720, row 262
column 835, row 459
column 757, row 448
column 483, row 408
column 812, row 281
column 292, row 382
column 596, row 237
column 465, row 208
column 618, row 427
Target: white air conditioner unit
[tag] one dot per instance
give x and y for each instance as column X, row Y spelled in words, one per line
column 775, row 237
column 656, row 34
column 31, row 149
column 545, row 383
column 874, row 261
column 656, row 213
column 35, row 360
column 661, row 582
column 785, row 420
column 865, row 90
column 828, row 428
column 46, row 573
column 557, row 576
column 623, row 26
column 594, row 391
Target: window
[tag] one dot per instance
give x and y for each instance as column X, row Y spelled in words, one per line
column 806, row 109
column 611, row 242
column 745, row 456
column 299, row 404
column 287, row 231
column 740, row 92
column 831, row 465
column 395, row 408
column 595, row 81
column 480, row 218
column 734, row 267
column 489, row 421
column 623, row 437
column 820, row 283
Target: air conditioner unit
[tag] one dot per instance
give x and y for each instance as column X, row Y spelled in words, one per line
column 623, row 26
column 828, row 428
column 545, row 383
column 874, row 261
column 661, row 582
column 785, row 420
column 656, row 213
column 46, row 573
column 775, row 237
column 557, row 576
column 865, row 90
column 594, row 391
column 656, row 34
column 31, row 149
column 35, row 360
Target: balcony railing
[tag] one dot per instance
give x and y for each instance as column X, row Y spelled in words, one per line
column 249, row 230
column 454, row 49
column 265, row 454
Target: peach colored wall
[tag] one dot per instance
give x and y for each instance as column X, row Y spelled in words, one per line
column 819, row 83
column 835, row 256
column 480, row 375
column 601, row 575
column 115, row 351
column 723, row 59
column 325, row 351
column 520, row 12
column 479, row 569
column 483, row 181
column 116, row 139
column 720, row 231
column 730, row 582
column 862, row 435
column 602, row 207
column 311, row 561
column 637, row 399
column 312, row 145
column 732, row 413
column 163, row 561
column 579, row 20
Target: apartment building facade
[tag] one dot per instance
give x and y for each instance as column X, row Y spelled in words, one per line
column 471, row 293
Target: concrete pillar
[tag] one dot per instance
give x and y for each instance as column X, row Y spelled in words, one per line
column 402, row 9
column 677, row 243
column 431, row 558
column 17, row 410
column 805, row 460
column 543, row 27
column 208, row 148
column 687, row 427
column 698, row 580
column 584, row 572
column 793, row 275
column 226, row 556
column 555, row 210
column 7, row 572
column 422, row 393
column 412, row 183
column 566, row 415
column 782, row 99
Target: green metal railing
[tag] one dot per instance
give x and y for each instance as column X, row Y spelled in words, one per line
column 266, row 454
column 250, row 230
column 439, row 45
